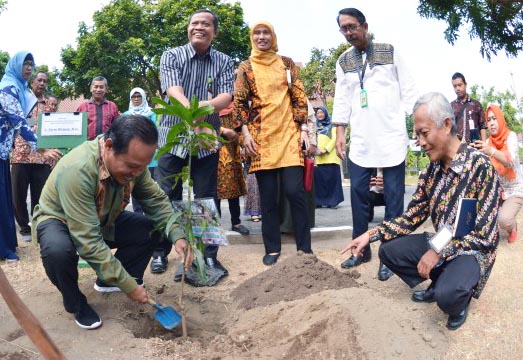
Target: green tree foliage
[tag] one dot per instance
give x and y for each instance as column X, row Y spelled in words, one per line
column 4, row 58
column 417, row 159
column 128, row 38
column 319, row 75
column 56, row 86
column 3, row 3
column 410, row 125
column 498, row 24
column 505, row 100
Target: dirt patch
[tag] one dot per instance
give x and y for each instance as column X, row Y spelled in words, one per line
column 143, row 325
column 15, row 335
column 205, row 317
column 351, row 323
column 361, row 319
column 17, row 355
column 294, row 278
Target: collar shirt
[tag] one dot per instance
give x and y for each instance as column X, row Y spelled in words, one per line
column 81, row 193
column 470, row 175
column 469, row 115
column 39, row 108
column 204, row 76
column 99, row 116
column 378, row 133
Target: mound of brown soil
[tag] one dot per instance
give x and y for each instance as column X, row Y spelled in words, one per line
column 294, row 278
column 351, row 323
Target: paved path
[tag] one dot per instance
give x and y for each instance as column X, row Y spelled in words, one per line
column 330, row 223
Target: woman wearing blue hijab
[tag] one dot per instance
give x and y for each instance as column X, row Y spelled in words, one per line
column 327, row 174
column 16, row 102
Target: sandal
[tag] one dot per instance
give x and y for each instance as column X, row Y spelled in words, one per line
column 255, row 218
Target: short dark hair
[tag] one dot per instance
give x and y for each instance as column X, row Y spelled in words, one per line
column 459, row 75
column 100, row 78
column 351, row 12
column 127, row 127
column 214, row 17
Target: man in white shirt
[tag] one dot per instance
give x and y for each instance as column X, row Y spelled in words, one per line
column 373, row 94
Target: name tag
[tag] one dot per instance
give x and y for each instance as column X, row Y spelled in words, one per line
column 440, row 239
column 364, row 101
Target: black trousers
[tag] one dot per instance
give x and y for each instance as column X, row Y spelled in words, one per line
column 376, row 199
column 137, row 208
column 24, row 176
column 292, row 181
column 453, row 280
column 132, row 240
column 204, row 174
column 234, row 210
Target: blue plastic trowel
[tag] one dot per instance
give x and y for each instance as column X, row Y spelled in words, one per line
column 166, row 315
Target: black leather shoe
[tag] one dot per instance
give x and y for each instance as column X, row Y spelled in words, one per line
column 384, row 273
column 355, row 260
column 426, row 295
column 455, row 321
column 240, row 229
column 179, row 272
column 270, row 259
column 215, row 264
column 159, row 264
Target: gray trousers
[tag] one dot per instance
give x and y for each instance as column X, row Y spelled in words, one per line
column 508, row 212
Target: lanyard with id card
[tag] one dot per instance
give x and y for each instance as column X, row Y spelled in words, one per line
column 364, row 100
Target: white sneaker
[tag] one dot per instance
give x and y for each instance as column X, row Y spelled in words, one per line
column 104, row 288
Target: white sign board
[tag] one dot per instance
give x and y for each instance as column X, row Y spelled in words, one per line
column 58, row 124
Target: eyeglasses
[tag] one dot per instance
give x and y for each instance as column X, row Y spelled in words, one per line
column 491, row 118
column 136, row 97
column 352, row 28
column 28, row 64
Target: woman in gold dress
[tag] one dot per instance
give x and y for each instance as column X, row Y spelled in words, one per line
column 269, row 99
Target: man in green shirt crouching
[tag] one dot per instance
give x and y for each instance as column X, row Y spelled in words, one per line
column 81, row 213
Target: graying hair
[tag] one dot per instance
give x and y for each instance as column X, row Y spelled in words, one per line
column 438, row 109
column 100, row 78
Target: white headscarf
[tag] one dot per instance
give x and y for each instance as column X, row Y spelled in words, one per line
column 143, row 108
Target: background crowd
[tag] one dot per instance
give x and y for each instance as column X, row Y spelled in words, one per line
column 271, row 132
